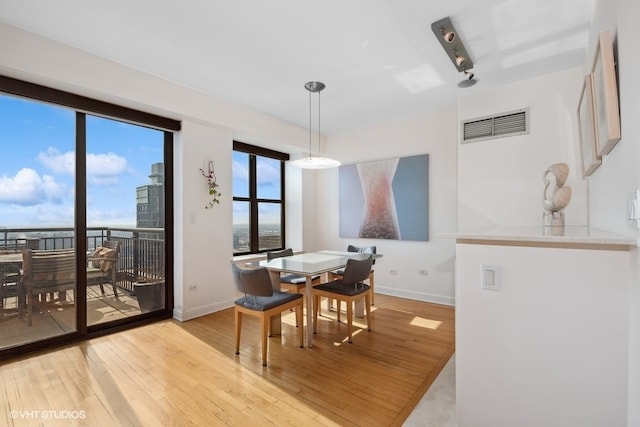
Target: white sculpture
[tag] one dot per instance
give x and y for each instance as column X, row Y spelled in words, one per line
column 556, row 196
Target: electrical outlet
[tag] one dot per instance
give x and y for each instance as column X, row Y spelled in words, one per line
column 193, row 288
column 393, row 272
column 423, row 272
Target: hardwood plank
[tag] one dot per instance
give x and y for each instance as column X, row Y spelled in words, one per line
column 186, row 374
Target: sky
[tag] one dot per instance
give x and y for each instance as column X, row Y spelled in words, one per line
column 37, row 166
column 268, row 187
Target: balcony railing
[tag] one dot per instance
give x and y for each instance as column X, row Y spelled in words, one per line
column 141, row 255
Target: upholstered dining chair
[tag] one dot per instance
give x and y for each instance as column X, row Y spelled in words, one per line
column 361, row 249
column 292, row 282
column 262, row 301
column 349, row 288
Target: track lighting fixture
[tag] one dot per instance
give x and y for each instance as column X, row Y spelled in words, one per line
column 449, row 38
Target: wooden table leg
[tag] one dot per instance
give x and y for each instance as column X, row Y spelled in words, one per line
column 309, row 300
column 276, row 323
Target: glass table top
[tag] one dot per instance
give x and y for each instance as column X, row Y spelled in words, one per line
column 312, row 262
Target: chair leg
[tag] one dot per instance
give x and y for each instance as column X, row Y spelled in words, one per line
column 299, row 310
column 371, row 283
column 300, row 291
column 238, row 329
column 29, row 308
column 338, row 308
column 2, row 300
column 113, row 282
column 316, row 302
column 349, row 318
column 264, row 326
column 368, row 301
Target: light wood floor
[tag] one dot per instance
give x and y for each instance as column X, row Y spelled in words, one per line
column 186, row 374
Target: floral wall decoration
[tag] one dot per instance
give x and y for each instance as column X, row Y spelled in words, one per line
column 212, row 185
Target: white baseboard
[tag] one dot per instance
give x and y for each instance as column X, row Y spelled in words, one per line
column 419, row 296
column 203, row 310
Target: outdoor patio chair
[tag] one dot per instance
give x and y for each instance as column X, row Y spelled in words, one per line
column 101, row 266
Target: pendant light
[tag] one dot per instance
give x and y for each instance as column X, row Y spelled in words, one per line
column 315, row 162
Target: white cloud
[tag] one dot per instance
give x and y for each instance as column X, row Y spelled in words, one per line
column 268, row 172
column 102, row 169
column 240, row 171
column 27, row 188
column 59, row 163
column 106, row 165
column 54, row 216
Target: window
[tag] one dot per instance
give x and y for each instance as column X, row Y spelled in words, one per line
column 85, row 188
column 258, row 199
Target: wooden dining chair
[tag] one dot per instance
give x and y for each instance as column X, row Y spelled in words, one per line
column 292, row 282
column 262, row 301
column 10, row 277
column 349, row 288
column 338, row 273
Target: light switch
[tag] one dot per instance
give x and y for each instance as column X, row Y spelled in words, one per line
column 489, row 277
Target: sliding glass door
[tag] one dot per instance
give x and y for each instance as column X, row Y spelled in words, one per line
column 125, row 208
column 84, row 201
column 38, row 294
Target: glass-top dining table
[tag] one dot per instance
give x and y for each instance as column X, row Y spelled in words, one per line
column 308, row 264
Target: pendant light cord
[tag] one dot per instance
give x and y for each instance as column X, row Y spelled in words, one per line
column 310, row 132
column 319, row 151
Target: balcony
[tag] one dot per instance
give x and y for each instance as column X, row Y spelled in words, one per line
column 141, row 260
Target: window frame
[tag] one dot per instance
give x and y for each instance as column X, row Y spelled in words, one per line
column 254, row 201
column 84, row 106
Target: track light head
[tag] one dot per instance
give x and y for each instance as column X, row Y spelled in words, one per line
column 469, row 79
column 448, row 36
column 460, row 60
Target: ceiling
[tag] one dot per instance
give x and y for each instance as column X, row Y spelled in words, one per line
column 379, row 58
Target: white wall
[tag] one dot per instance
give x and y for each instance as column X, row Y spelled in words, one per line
column 201, row 233
column 601, row 200
column 550, row 347
column 500, row 180
column 204, row 246
column 619, row 172
column 434, row 134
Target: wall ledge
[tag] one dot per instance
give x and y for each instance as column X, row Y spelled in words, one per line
column 569, row 237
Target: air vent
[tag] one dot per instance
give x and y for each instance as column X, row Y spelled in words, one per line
column 507, row 124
